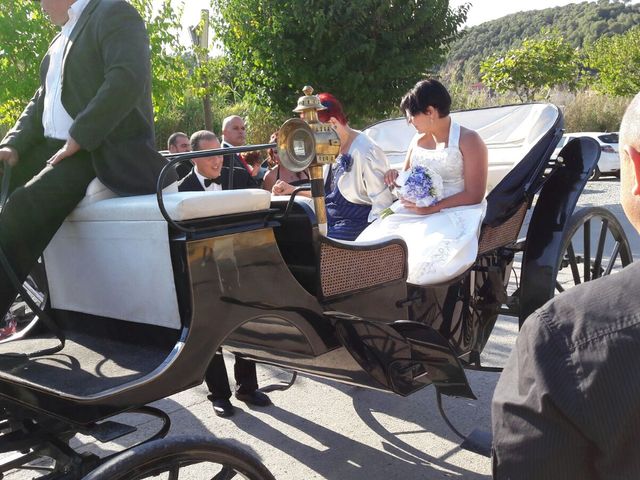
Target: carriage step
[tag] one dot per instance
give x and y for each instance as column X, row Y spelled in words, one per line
column 403, row 356
column 109, row 430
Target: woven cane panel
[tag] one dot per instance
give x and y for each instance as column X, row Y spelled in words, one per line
column 346, row 270
column 504, row 234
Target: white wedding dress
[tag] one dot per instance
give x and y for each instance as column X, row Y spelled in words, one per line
column 444, row 244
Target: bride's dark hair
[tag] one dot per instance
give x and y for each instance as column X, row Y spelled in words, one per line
column 427, row 93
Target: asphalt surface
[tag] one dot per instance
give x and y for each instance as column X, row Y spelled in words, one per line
column 319, row 429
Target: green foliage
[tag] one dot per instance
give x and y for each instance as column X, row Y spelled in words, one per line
column 592, row 112
column 534, row 67
column 25, row 34
column 24, row 37
column 189, row 118
column 616, row 60
column 580, row 23
column 168, row 65
column 368, row 53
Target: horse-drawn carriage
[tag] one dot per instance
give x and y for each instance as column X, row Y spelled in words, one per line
column 143, row 290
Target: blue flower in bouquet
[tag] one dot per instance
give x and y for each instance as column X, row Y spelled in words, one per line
column 422, row 186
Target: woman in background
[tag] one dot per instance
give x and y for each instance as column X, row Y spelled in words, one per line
column 278, row 172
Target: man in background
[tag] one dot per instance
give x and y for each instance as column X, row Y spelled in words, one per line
column 178, row 142
column 234, row 134
column 567, row 405
column 208, row 175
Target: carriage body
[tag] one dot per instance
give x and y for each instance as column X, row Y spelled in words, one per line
column 254, row 273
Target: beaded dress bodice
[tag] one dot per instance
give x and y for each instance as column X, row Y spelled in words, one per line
column 445, row 161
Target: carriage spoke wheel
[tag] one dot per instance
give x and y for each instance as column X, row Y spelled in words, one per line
column 594, row 245
column 182, row 458
column 21, row 319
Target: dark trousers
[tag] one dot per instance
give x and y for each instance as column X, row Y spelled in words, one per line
column 41, row 199
column 218, row 382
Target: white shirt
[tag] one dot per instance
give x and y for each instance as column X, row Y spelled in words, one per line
column 55, row 119
column 211, row 188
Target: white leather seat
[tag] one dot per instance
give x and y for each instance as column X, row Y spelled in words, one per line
column 179, row 205
column 111, row 255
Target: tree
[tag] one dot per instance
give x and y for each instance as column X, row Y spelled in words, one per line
column 24, row 36
column 616, row 60
column 537, row 65
column 168, row 65
column 368, row 53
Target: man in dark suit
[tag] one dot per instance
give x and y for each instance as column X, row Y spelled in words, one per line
column 178, row 142
column 208, row 174
column 234, row 135
column 91, row 116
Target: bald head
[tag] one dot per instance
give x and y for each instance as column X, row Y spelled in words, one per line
column 630, row 162
column 234, row 131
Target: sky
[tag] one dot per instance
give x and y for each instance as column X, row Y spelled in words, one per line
column 480, row 11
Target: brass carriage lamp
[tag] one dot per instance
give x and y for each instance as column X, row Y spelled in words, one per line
column 327, row 147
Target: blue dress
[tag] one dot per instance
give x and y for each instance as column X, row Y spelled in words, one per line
column 346, row 220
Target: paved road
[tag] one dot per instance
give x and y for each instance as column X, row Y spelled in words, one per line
column 320, row 429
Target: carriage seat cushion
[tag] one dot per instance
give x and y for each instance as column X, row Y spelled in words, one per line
column 111, row 256
column 179, row 205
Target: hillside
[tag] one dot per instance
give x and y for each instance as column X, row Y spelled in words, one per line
column 580, row 24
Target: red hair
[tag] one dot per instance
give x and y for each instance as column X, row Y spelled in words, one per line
column 334, row 109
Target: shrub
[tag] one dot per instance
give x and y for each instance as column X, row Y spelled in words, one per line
column 590, row 111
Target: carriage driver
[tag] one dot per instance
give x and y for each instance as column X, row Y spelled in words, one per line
column 567, row 405
column 91, row 116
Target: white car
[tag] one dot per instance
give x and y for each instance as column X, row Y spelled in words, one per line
column 609, row 163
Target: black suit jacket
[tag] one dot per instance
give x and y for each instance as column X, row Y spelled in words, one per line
column 106, row 89
column 241, row 176
column 190, row 183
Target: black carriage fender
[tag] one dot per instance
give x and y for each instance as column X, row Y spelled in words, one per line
column 553, row 209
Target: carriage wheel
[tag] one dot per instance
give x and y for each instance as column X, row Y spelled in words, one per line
column 176, row 458
column 594, row 244
column 21, row 318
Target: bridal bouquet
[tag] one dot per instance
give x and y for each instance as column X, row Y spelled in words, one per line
column 419, row 185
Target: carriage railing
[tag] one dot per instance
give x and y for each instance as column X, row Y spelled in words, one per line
column 176, row 158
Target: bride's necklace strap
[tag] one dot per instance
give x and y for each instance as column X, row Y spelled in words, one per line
column 448, row 140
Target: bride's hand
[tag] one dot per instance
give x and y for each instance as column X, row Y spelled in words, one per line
column 413, row 208
column 390, row 178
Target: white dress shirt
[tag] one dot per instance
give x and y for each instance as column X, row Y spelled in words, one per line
column 211, row 188
column 55, row 119
column 364, row 183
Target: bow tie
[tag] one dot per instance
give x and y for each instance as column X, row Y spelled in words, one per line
column 209, row 181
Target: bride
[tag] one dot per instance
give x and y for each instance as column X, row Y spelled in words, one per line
column 442, row 239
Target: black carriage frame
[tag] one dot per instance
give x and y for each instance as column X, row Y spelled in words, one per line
column 322, row 323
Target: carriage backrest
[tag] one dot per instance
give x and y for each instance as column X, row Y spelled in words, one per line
column 519, row 138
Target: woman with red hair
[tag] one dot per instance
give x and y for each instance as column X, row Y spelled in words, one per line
column 355, row 192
